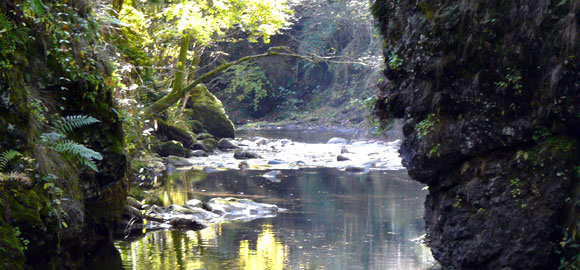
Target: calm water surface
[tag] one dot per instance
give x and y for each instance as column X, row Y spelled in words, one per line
column 335, row 220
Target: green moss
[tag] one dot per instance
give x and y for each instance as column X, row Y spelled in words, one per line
column 427, row 8
column 204, row 136
column 208, row 110
column 210, row 143
column 554, row 147
column 11, row 249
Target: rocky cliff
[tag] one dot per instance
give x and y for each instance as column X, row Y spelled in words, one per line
column 489, row 94
column 54, row 75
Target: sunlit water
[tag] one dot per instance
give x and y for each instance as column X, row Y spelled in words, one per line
column 335, row 220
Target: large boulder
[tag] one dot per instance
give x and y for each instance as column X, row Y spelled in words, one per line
column 204, row 107
column 170, row 148
column 167, row 131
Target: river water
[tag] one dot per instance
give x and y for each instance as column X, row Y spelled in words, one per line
column 334, row 220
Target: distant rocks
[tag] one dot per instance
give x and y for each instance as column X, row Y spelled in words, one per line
column 342, row 158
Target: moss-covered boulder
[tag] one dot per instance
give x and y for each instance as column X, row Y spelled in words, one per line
column 208, row 110
column 204, row 136
column 167, row 131
column 210, row 143
column 173, row 148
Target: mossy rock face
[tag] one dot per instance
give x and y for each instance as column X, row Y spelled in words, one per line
column 204, row 136
column 208, row 110
column 168, row 131
column 173, row 148
column 210, row 143
column 196, row 126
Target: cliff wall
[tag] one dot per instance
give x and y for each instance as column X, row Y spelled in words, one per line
column 489, row 94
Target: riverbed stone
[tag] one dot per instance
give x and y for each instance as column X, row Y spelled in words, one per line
column 197, row 153
column 204, row 136
column 260, row 141
column 234, row 206
column 245, row 155
column 200, row 146
column 342, row 158
column 226, row 144
column 170, row 148
column 178, row 161
column 337, row 140
column 276, row 162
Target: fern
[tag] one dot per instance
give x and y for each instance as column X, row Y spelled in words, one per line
column 6, row 156
column 59, row 142
column 10, row 33
column 66, row 125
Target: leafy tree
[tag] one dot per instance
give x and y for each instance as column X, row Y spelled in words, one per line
column 198, row 24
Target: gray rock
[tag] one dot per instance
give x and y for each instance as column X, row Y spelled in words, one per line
column 178, row 161
column 193, row 203
column 197, row 153
column 284, row 142
column 276, row 162
column 245, row 155
column 233, row 206
column 200, row 146
column 337, row 140
column 225, row 144
column 260, row 141
column 342, row 158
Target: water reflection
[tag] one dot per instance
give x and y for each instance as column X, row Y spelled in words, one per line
column 335, row 220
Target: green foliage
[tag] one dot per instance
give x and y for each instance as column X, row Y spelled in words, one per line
column 513, row 80
column 6, row 156
column 248, row 82
column 59, row 142
column 424, row 127
column 515, row 185
column 570, row 249
column 11, row 37
column 395, row 62
column 435, row 151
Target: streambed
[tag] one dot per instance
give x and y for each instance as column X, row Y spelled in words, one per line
column 334, row 219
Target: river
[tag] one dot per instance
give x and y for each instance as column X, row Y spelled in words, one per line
column 334, row 220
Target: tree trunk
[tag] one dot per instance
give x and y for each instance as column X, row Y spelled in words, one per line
column 181, row 63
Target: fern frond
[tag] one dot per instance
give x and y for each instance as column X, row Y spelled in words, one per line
column 70, row 147
column 50, row 138
column 67, row 124
column 5, row 23
column 20, row 177
column 6, row 156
